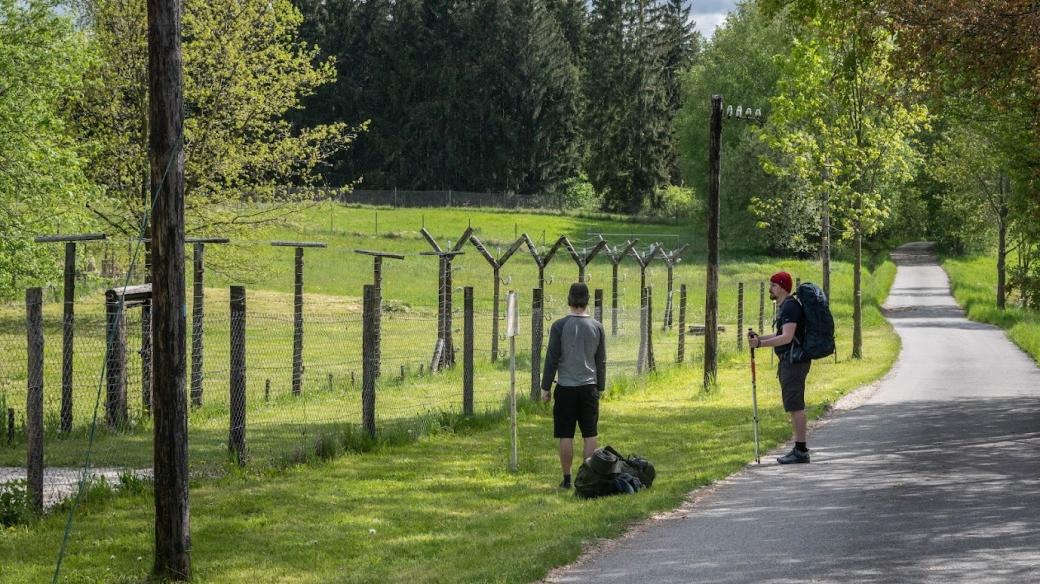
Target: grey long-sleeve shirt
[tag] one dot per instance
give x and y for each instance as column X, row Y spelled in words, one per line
column 578, row 351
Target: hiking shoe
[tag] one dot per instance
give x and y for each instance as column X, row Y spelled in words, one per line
column 795, row 456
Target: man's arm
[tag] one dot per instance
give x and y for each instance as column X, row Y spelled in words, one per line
column 601, row 362
column 552, row 357
column 785, row 336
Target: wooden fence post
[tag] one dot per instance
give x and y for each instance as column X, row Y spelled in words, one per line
column 34, row 396
column 146, row 357
column 613, row 299
column 68, row 336
column 761, row 307
column 641, row 359
column 651, row 362
column 68, row 322
column 10, row 426
column 197, row 325
column 467, row 353
column 598, row 311
column 740, row 316
column 682, row 324
column 668, row 300
column 369, row 364
column 237, row 433
column 115, row 351
column 537, row 307
column 297, row 356
column 496, row 300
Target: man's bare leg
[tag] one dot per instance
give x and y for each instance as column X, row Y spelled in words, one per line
column 590, row 446
column 566, row 454
column 798, row 421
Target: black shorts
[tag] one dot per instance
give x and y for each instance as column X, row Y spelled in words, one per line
column 792, row 383
column 575, row 405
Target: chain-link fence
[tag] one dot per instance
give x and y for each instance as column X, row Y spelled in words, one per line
column 268, row 388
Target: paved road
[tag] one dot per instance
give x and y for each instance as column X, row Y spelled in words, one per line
column 936, row 478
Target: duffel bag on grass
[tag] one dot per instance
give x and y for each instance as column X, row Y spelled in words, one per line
column 607, row 472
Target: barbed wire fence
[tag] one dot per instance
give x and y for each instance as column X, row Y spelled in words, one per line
column 283, row 379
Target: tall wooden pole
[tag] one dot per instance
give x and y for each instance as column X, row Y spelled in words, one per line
column 68, row 335
column 711, row 291
column 166, row 164
column 197, row 324
column 34, row 397
column 297, row 354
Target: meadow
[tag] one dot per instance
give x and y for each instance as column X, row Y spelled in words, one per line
column 434, row 487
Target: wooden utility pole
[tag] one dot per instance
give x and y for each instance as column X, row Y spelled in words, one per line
column 169, row 403
column 68, row 322
column 711, row 289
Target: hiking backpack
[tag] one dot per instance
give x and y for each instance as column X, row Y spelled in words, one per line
column 819, row 323
column 607, row 472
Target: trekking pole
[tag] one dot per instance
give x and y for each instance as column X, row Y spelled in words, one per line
column 754, row 400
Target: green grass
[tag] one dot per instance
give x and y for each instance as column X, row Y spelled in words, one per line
column 974, row 283
column 445, row 508
column 435, row 486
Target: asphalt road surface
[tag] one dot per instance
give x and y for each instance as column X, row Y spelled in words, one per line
column 935, row 478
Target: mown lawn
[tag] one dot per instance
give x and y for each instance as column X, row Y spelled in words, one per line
column 444, row 508
column 974, row 283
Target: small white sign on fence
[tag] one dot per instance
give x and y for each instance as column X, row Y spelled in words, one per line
column 512, row 315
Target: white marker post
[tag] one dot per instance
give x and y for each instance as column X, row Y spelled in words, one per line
column 512, row 327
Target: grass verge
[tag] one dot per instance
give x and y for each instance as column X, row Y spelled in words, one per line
column 974, row 283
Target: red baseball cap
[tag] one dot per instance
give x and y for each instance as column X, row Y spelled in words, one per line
column 782, row 279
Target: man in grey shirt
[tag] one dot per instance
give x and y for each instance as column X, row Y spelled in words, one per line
column 577, row 358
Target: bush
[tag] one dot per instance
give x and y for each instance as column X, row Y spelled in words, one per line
column 673, row 202
column 14, row 503
column 578, row 193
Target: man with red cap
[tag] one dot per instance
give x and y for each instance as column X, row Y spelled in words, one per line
column 793, row 365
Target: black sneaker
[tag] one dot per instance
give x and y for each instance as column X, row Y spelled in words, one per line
column 565, row 483
column 795, row 456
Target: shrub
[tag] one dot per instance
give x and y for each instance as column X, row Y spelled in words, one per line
column 14, row 503
column 673, row 202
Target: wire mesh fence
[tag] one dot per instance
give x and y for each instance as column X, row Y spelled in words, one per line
column 266, row 388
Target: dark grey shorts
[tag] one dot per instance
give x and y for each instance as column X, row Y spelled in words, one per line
column 792, row 383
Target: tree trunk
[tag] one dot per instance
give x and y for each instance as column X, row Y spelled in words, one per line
column 825, row 244
column 1002, row 221
column 857, row 296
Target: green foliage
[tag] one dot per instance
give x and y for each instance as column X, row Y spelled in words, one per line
column 842, row 123
column 739, row 64
column 578, row 193
column 674, row 202
column 15, row 508
column 42, row 186
column 244, row 70
column 632, row 99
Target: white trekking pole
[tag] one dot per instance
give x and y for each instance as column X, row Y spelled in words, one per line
column 754, row 401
